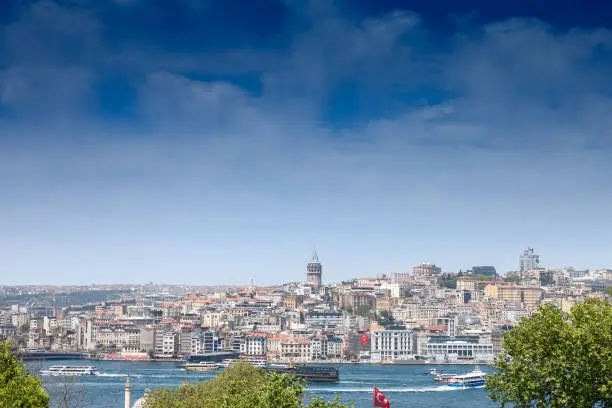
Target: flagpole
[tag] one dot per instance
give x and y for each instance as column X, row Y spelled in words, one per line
column 374, row 396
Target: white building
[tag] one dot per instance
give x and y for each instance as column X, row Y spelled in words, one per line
column 453, row 350
column 166, row 343
column 324, row 319
column 256, row 344
column 389, row 345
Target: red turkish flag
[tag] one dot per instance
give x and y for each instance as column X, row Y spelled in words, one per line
column 364, row 339
column 380, row 400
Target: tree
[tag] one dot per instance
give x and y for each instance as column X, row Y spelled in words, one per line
column 18, row 388
column 447, row 281
column 364, row 310
column 512, row 278
column 557, row 359
column 239, row 386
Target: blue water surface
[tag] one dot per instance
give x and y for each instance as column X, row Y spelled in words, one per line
column 404, row 385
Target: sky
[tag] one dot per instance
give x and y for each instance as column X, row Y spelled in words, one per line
column 215, row 141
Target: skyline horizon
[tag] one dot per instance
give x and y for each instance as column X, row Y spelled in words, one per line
column 224, row 139
column 303, row 278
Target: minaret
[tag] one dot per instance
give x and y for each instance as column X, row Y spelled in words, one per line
column 128, row 392
column 314, row 270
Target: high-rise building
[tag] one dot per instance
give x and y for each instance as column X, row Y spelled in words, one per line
column 314, row 270
column 528, row 260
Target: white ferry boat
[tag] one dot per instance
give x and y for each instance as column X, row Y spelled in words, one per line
column 258, row 362
column 439, row 376
column 201, row 366
column 226, row 363
column 70, row 371
column 476, row 378
column 444, row 377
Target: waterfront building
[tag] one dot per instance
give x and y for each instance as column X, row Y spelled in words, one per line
column 147, row 338
column 391, row 345
column 166, row 343
column 256, row 344
column 449, row 349
column 314, row 271
column 295, row 350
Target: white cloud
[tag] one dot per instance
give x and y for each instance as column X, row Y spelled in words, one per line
column 508, row 154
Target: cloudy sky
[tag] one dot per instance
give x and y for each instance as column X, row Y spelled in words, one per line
column 211, row 141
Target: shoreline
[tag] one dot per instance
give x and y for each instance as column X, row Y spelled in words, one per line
column 366, row 363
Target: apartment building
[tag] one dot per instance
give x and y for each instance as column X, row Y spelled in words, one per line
column 256, row 344
column 527, row 295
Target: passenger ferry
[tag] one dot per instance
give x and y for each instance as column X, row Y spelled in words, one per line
column 70, row 371
column 307, row 372
column 201, row 366
column 226, row 363
column 476, row 378
column 443, row 377
column 258, row 362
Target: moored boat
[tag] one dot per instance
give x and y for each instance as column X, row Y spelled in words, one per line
column 307, row 372
column 226, row 363
column 475, row 378
column 70, row 371
column 201, row 366
column 258, row 362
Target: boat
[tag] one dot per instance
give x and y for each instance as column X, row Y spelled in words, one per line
column 433, row 372
column 226, row 363
column 475, row 378
column 70, row 371
column 201, row 366
column 258, row 362
column 443, row 377
column 307, row 373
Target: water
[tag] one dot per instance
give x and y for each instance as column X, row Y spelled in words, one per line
column 404, row 385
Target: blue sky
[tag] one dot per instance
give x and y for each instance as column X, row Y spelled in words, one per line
column 209, row 141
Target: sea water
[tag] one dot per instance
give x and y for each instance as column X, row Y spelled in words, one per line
column 405, row 385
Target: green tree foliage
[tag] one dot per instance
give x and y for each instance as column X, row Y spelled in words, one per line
column 482, row 277
column 512, row 278
column 239, row 386
column 447, row 281
column 18, row 388
column 557, row 359
column 364, row 310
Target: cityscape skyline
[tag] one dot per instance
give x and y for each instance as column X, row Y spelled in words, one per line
column 212, row 142
column 312, row 274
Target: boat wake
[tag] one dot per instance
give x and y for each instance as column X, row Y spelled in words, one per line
column 440, row 388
